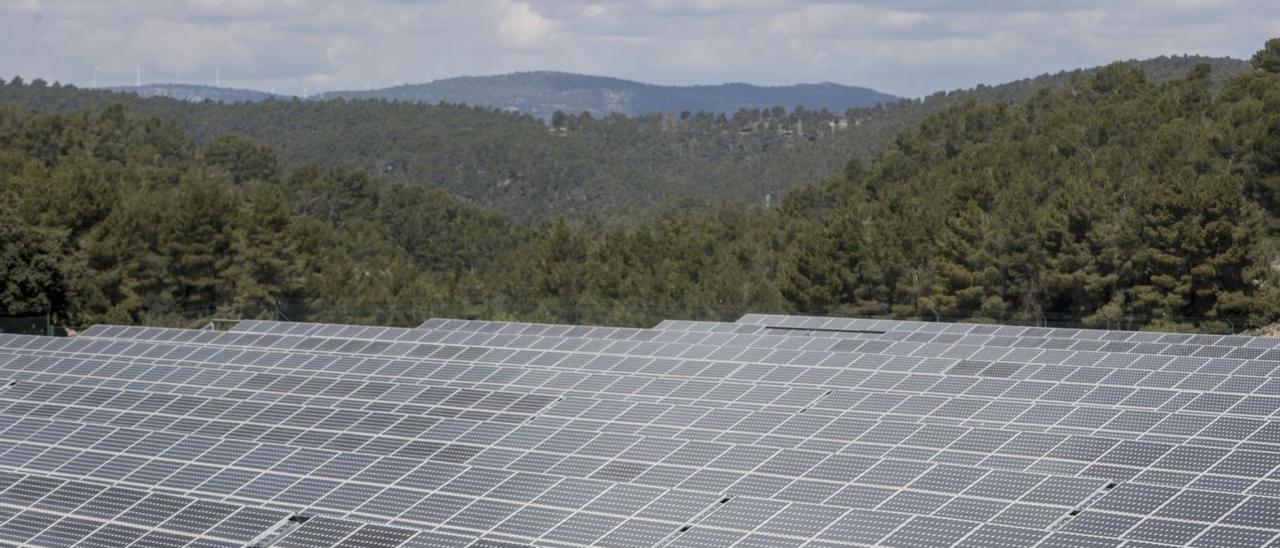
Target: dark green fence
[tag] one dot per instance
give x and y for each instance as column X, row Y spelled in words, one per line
column 27, row 324
column 623, row 312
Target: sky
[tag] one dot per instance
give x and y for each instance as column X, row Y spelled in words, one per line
column 907, row 47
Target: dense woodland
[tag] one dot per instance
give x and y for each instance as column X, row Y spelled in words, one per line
column 543, row 93
column 1113, row 199
column 610, row 171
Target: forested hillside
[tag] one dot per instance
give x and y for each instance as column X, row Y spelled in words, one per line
column 196, row 93
column 1115, row 199
column 615, row 170
column 542, row 94
column 117, row 217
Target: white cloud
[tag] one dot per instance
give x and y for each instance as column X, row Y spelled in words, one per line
column 161, row 43
column 522, row 26
column 247, row 9
column 901, row 46
column 722, row 7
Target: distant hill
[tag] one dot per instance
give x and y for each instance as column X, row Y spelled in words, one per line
column 616, row 169
column 197, row 93
column 1115, row 197
column 541, row 94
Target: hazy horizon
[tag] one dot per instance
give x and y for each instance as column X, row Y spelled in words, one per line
column 309, row 46
column 465, row 76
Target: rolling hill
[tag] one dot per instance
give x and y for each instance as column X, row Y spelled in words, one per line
column 541, row 94
column 1123, row 196
column 620, row 169
column 196, row 93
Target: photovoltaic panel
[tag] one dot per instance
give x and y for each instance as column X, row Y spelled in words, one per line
column 773, row 431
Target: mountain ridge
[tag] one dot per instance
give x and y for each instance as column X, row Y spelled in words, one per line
column 542, row 93
column 610, row 170
column 196, row 93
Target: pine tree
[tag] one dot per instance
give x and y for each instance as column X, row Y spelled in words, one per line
column 245, row 160
column 966, row 277
column 1198, row 257
column 1080, row 229
column 38, row 273
column 265, row 269
column 822, row 267
column 1268, row 58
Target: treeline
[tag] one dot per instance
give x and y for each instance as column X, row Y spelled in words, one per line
column 542, row 93
column 114, row 217
column 1116, row 197
column 613, row 171
column 1115, row 200
column 610, row 171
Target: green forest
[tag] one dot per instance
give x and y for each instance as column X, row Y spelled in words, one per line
column 611, row 171
column 1110, row 197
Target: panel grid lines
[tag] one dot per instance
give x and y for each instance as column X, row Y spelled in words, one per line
column 770, row 431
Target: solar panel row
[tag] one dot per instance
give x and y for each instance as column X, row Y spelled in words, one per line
column 775, row 431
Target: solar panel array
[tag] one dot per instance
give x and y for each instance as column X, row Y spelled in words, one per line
column 771, row 431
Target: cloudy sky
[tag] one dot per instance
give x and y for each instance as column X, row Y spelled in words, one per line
column 906, row 47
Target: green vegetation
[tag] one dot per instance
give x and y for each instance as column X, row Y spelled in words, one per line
column 197, row 93
column 615, row 171
column 542, row 94
column 114, row 217
column 1111, row 199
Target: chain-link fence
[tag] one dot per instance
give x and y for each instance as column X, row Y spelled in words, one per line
column 622, row 313
column 27, row 324
column 633, row 313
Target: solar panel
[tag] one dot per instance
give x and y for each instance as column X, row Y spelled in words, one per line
column 771, row 431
